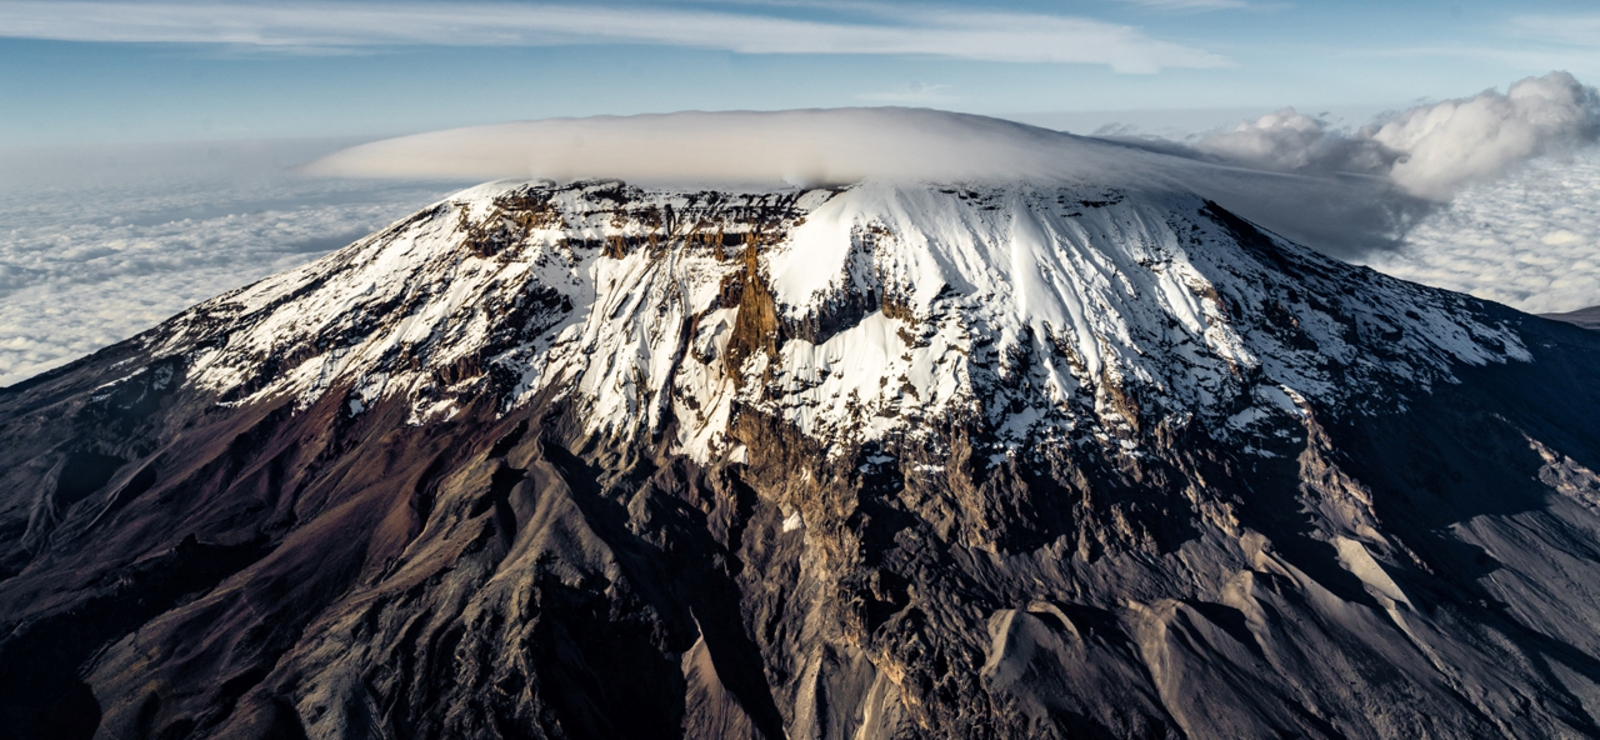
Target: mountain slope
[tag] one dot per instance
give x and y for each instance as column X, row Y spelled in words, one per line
column 884, row 460
column 1588, row 318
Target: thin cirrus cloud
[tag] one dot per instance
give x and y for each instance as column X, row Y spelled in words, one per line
column 1571, row 30
column 1192, row 5
column 985, row 36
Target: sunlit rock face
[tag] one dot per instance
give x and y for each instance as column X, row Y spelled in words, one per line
column 892, row 459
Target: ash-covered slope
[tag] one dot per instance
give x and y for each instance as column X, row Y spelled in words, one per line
column 875, row 461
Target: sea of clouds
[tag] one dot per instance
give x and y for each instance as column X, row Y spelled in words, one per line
column 1509, row 184
column 1497, row 195
column 98, row 245
column 1530, row 239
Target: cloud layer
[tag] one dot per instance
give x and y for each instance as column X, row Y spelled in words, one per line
column 804, row 147
column 1530, row 240
column 871, row 29
column 742, row 148
column 1458, row 141
column 88, row 264
column 1427, row 151
column 1430, row 150
column 1288, row 141
column 1378, row 195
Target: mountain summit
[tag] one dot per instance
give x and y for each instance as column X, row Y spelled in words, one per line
column 882, row 460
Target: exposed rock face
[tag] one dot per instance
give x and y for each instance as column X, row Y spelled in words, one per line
column 869, row 462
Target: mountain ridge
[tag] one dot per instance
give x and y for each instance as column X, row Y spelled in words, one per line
column 888, row 460
column 1588, row 318
column 812, row 305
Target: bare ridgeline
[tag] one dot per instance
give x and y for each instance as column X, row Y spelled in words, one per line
column 876, row 461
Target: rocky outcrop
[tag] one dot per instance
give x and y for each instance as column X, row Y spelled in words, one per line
column 591, row 461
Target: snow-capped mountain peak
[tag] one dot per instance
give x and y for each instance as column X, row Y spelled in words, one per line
column 858, row 314
column 897, row 459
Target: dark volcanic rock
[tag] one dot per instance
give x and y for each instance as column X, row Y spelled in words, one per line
column 492, row 473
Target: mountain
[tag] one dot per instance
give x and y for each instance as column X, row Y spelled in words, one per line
column 885, row 460
column 1588, row 318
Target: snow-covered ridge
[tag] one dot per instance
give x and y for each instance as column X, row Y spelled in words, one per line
column 868, row 313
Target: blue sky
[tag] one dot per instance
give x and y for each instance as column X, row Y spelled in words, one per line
column 82, row 72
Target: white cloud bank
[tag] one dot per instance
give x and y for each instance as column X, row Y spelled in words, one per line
column 1460, row 141
column 1514, row 181
column 1286, row 171
column 1431, row 150
column 892, row 30
column 744, row 149
column 765, row 149
column 1530, row 240
column 1288, row 141
column 1428, row 151
column 93, row 252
